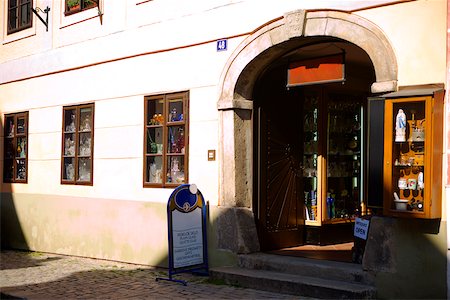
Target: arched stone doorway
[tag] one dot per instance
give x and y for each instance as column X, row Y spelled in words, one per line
column 255, row 54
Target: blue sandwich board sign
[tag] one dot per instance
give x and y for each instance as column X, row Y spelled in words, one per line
column 186, row 219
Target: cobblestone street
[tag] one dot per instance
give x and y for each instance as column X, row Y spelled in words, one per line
column 34, row 275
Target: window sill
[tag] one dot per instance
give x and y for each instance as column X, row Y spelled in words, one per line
column 79, row 17
column 19, row 35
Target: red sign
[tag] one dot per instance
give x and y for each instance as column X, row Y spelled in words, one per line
column 317, row 70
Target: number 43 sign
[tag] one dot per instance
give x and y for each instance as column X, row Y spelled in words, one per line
column 361, row 228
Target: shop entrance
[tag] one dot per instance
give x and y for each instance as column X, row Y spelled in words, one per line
column 309, row 146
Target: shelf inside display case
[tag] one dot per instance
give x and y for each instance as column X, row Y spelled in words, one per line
column 332, row 156
column 408, row 149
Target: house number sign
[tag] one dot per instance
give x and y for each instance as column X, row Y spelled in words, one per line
column 222, row 45
column 186, row 216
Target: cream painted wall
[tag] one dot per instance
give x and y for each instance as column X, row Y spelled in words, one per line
column 118, row 143
column 117, row 88
column 180, row 54
column 417, row 31
column 135, row 50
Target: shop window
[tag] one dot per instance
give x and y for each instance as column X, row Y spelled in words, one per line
column 19, row 15
column 166, row 140
column 77, row 145
column 75, row 6
column 15, row 168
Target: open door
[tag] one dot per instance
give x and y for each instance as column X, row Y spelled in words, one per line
column 278, row 152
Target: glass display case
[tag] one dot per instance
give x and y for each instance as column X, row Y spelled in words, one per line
column 16, row 148
column 77, row 144
column 332, row 158
column 311, row 158
column 344, row 144
column 165, row 140
column 413, row 157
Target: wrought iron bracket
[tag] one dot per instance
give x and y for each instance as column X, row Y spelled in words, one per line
column 35, row 11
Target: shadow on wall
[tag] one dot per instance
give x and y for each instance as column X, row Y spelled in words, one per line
column 11, row 234
column 408, row 257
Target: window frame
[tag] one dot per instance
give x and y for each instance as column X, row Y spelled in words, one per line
column 18, row 15
column 14, row 137
column 82, row 6
column 76, row 157
column 166, row 99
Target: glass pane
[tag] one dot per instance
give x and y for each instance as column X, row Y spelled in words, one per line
column 175, row 139
column 21, row 169
column 310, row 155
column 21, row 147
column 12, row 19
column 25, row 14
column 69, row 144
column 408, row 151
column 344, row 157
column 175, row 112
column 8, row 169
column 84, row 144
column 69, row 169
column 155, row 140
column 9, row 148
column 85, row 119
column 9, row 126
column 84, row 169
column 21, row 125
column 175, row 172
column 155, row 112
column 69, row 120
column 154, row 172
column 88, row 4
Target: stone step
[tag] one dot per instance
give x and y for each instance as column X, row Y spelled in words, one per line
column 333, row 270
column 292, row 284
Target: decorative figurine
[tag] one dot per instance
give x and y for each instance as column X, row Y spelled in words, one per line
column 70, row 172
column 69, row 147
column 11, row 129
column 420, row 184
column 86, row 125
column 180, row 141
column 400, row 126
column 71, row 126
column 154, row 174
column 173, row 115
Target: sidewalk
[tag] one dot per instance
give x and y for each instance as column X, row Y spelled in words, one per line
column 35, row 275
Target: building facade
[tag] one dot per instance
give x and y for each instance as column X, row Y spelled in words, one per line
column 107, row 106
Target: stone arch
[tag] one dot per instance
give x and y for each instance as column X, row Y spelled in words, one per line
column 235, row 104
column 258, row 49
column 254, row 54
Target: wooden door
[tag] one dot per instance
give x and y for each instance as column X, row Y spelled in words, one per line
column 279, row 152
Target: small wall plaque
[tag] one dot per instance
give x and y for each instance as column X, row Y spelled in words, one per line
column 211, row 155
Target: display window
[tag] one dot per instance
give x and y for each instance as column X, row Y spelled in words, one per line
column 166, row 140
column 77, row 145
column 75, row 6
column 412, row 172
column 15, row 168
column 19, row 15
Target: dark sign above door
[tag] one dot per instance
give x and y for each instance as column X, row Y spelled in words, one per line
column 319, row 70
